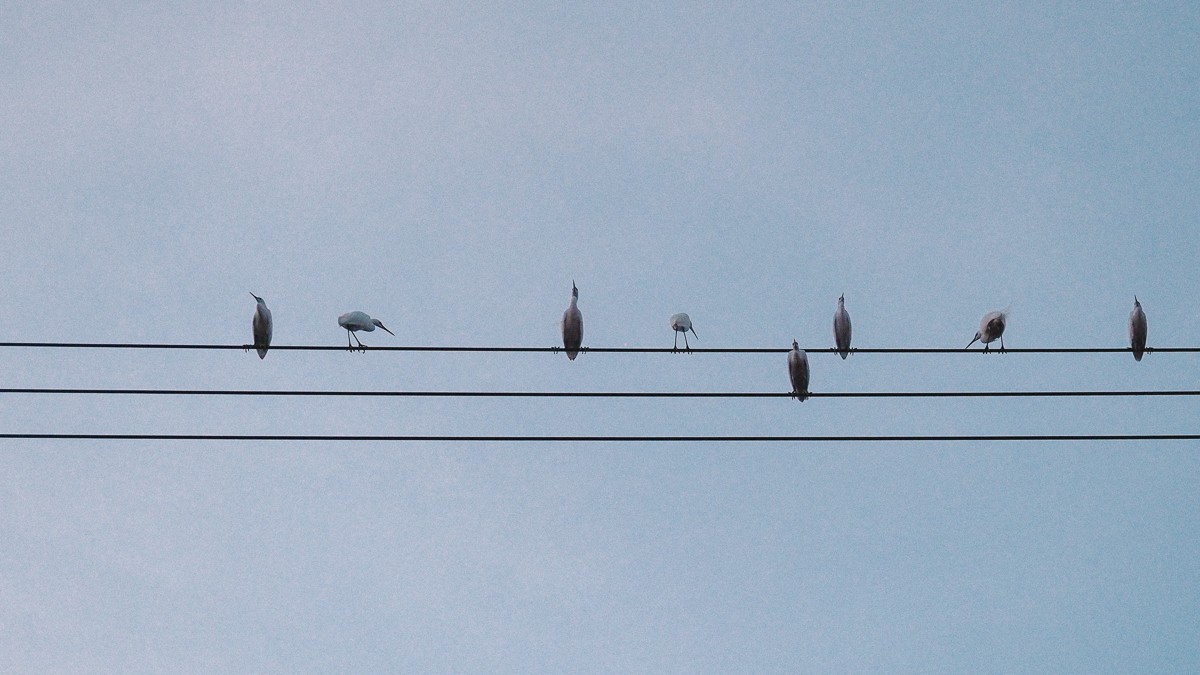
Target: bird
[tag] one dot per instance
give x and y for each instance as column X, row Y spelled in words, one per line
column 356, row 321
column 798, row 372
column 682, row 323
column 261, row 326
column 572, row 325
column 1137, row 330
column 841, row 328
column 991, row 328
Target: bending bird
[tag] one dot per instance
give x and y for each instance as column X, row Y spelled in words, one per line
column 991, row 328
column 356, row 321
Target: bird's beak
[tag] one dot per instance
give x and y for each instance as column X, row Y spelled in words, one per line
column 385, row 328
column 973, row 341
column 694, row 333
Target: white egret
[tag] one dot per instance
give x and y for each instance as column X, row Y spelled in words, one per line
column 1137, row 329
column 682, row 323
column 356, row 321
column 572, row 325
column 841, row 328
column 991, row 328
column 261, row 326
column 798, row 372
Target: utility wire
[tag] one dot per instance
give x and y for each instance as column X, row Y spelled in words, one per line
column 592, row 394
column 612, row 350
column 612, row 439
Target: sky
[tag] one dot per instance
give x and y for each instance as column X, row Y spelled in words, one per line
column 451, row 169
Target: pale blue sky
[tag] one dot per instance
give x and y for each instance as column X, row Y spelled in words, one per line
column 451, row 168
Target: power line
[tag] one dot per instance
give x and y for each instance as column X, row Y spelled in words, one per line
column 602, row 350
column 591, row 394
column 612, row 439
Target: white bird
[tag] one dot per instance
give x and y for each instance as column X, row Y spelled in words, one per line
column 1137, row 329
column 262, row 327
column 798, row 372
column 356, row 321
column 572, row 325
column 991, row 328
column 841, row 328
column 682, row 323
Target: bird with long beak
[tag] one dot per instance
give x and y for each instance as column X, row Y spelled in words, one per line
column 356, row 321
column 991, row 328
column 682, row 323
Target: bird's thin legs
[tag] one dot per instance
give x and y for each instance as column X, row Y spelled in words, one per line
column 685, row 344
column 350, row 346
column 676, row 347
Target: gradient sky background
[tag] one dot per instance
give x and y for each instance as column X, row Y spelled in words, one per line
column 451, row 168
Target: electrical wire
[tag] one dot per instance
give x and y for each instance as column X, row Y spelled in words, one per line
column 591, row 394
column 609, row 439
column 602, row 350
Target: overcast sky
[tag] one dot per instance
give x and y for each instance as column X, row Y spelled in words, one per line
column 452, row 168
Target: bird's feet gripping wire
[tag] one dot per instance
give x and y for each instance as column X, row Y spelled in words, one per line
column 687, row 349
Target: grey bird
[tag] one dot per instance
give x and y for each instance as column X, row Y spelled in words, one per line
column 682, row 323
column 991, row 328
column 841, row 328
column 572, row 325
column 356, row 321
column 1137, row 330
column 262, row 327
column 798, row 372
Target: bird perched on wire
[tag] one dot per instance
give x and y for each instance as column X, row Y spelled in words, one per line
column 841, row 328
column 798, row 372
column 1137, row 330
column 682, row 323
column 261, row 326
column 356, row 321
column 572, row 325
column 991, row 328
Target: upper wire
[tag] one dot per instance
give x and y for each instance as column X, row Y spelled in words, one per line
column 611, row 439
column 593, row 394
column 611, row 350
